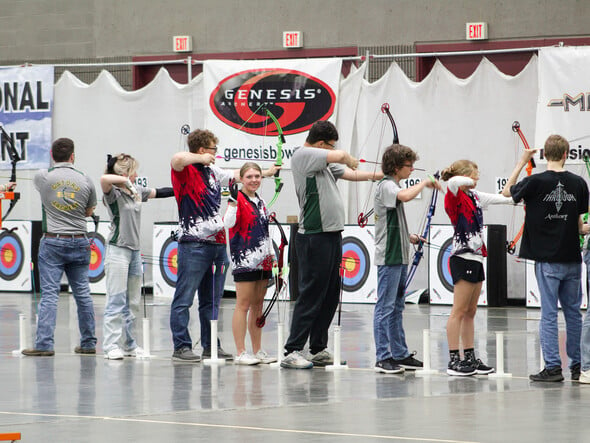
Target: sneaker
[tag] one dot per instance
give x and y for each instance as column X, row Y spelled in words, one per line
column 220, row 354
column 585, row 376
column 321, row 359
column 264, row 357
column 114, row 354
column 296, row 360
column 552, row 374
column 575, row 371
column 185, row 354
column 81, row 350
column 136, row 352
column 481, row 367
column 388, row 366
column 38, row 352
column 409, row 362
column 461, row 368
column 246, row 359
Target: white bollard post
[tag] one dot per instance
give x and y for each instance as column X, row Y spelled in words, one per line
column 426, row 369
column 22, row 334
column 337, row 347
column 146, row 339
column 499, row 358
column 214, row 360
column 280, row 344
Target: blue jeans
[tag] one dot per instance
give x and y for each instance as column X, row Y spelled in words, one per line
column 388, row 328
column 585, row 345
column 559, row 282
column 123, row 281
column 72, row 256
column 195, row 262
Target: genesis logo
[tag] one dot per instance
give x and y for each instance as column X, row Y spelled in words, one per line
column 295, row 98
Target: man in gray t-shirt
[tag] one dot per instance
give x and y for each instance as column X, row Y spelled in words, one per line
column 316, row 166
column 68, row 196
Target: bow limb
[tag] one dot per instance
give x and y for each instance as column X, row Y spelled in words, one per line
column 281, row 139
column 14, row 159
column 279, row 273
column 511, row 245
column 420, row 249
column 363, row 217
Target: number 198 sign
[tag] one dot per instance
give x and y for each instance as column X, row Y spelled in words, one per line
column 409, row 182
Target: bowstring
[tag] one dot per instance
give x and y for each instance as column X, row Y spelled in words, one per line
column 363, row 146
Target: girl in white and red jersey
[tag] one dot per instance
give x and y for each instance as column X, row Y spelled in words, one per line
column 252, row 259
column 464, row 206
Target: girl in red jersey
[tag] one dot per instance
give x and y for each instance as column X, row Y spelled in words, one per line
column 252, row 259
column 464, row 206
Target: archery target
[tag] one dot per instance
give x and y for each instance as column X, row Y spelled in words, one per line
column 440, row 280
column 97, row 256
column 360, row 276
column 533, row 295
column 356, row 263
column 15, row 256
column 96, row 274
column 11, row 255
column 168, row 261
column 164, row 259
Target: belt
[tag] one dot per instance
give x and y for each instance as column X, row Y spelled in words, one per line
column 51, row 235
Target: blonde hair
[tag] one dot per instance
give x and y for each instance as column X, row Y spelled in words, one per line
column 124, row 165
column 249, row 165
column 460, row 167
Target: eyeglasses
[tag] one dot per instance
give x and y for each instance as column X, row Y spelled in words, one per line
column 409, row 165
column 214, row 149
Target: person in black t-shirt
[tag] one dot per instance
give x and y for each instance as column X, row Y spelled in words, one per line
column 555, row 201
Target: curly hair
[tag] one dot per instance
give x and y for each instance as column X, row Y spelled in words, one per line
column 395, row 157
column 200, row 138
column 459, row 167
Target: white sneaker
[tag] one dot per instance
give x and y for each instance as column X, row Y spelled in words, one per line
column 246, row 359
column 264, row 357
column 114, row 354
column 585, row 376
column 296, row 360
column 136, row 352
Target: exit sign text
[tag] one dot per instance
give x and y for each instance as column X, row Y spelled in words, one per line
column 292, row 39
column 476, row 31
column 182, row 43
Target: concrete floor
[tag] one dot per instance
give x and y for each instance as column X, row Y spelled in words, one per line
column 73, row 398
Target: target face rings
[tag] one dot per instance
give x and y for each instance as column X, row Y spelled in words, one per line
column 11, row 255
column 356, row 262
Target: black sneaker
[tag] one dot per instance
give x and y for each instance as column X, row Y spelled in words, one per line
column 552, row 374
column 481, row 367
column 409, row 362
column 575, row 371
column 220, row 354
column 388, row 366
column 462, row 368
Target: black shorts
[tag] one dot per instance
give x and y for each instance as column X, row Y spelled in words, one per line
column 253, row 275
column 468, row 270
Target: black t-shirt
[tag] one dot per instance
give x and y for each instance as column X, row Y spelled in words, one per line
column 554, row 201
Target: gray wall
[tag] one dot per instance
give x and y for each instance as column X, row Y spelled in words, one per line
column 32, row 30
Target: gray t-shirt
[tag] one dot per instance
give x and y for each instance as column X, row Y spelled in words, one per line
column 392, row 241
column 125, row 214
column 320, row 205
column 66, row 193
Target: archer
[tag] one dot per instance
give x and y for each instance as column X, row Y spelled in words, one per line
column 392, row 256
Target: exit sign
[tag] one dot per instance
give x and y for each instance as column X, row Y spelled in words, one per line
column 182, row 43
column 476, row 31
column 292, row 39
